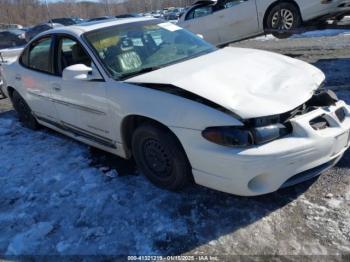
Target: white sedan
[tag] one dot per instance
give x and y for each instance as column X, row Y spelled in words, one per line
column 224, row 21
column 242, row 121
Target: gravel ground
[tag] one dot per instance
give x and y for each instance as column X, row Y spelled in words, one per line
column 60, row 197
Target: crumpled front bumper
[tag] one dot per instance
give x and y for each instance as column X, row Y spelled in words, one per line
column 263, row 169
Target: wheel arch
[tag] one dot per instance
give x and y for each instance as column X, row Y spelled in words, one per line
column 267, row 12
column 131, row 122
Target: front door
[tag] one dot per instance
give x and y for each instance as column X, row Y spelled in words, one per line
column 81, row 104
column 238, row 19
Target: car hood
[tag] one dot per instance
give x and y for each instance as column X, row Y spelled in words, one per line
column 248, row 82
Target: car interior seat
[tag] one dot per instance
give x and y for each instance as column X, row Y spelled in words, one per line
column 79, row 56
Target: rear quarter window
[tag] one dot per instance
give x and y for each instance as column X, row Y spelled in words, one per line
column 38, row 56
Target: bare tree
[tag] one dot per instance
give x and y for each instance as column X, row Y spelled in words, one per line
column 30, row 12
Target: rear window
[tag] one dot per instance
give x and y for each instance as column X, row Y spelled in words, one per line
column 38, row 56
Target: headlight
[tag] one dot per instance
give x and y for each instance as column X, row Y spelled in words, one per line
column 269, row 133
column 228, row 136
column 244, row 137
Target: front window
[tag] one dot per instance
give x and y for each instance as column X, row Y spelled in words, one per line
column 128, row 50
column 200, row 12
column 70, row 52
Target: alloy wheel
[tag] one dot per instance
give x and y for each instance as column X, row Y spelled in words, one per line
column 283, row 19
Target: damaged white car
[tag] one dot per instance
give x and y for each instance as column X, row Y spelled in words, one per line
column 242, row 121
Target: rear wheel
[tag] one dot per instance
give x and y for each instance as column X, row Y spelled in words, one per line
column 284, row 17
column 24, row 112
column 160, row 157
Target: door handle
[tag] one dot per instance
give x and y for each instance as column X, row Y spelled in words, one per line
column 18, row 77
column 56, row 87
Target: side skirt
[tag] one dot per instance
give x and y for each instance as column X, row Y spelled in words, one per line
column 77, row 132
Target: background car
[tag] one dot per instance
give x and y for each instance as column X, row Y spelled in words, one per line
column 12, row 38
column 35, row 30
column 157, row 14
column 4, row 27
column 127, row 15
column 225, row 21
column 171, row 16
column 63, row 21
column 101, row 18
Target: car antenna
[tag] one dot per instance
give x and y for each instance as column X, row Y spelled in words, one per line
column 48, row 13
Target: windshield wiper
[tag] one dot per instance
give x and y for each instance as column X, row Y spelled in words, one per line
column 140, row 72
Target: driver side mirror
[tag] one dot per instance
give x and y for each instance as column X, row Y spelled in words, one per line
column 81, row 72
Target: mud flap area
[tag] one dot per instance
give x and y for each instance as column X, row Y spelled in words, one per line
column 2, row 95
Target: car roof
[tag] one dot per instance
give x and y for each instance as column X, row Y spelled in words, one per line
column 94, row 25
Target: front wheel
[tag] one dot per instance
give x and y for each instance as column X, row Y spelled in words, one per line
column 24, row 112
column 160, row 157
column 283, row 17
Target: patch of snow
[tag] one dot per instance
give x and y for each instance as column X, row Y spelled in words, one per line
column 322, row 33
column 25, row 242
column 334, row 203
column 265, row 38
column 63, row 246
column 314, row 34
column 329, row 195
column 112, row 173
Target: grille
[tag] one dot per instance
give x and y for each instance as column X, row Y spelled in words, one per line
column 309, row 174
column 319, row 123
column 340, row 113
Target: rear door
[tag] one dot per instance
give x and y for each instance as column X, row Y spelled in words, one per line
column 33, row 78
column 238, row 19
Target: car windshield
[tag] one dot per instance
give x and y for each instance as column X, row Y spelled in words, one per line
column 132, row 49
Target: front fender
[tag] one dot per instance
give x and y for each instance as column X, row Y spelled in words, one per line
column 168, row 109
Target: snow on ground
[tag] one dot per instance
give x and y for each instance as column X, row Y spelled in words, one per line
column 316, row 33
column 50, row 191
column 322, row 33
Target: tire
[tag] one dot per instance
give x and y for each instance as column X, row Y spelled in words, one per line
column 284, row 16
column 24, row 112
column 160, row 157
